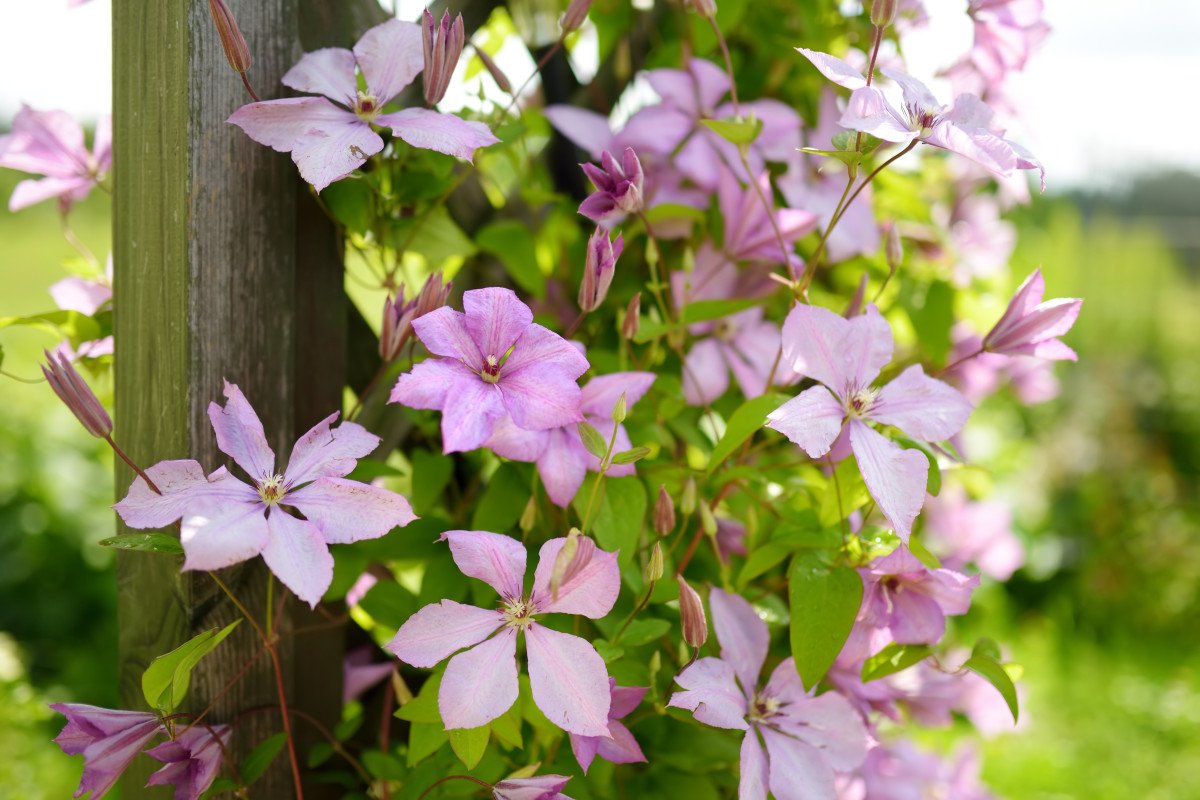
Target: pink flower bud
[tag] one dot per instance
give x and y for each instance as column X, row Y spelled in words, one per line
column 664, row 512
column 497, row 75
column 629, row 325
column 1031, row 327
column 576, row 553
column 76, row 395
column 234, row 44
column 443, row 45
column 618, row 186
column 574, row 16
column 602, row 256
column 691, row 613
column 883, row 12
column 398, row 316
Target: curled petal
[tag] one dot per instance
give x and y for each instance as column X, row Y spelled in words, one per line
column 495, row 559
column 328, row 452
column 591, row 591
column 711, row 693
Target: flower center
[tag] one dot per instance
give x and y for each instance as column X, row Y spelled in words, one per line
column 518, row 613
column 366, row 107
column 922, row 119
column 763, row 708
column 859, row 403
column 491, row 370
column 270, row 489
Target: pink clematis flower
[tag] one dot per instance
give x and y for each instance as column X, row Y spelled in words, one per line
column 192, row 760
column 539, row 787
column 494, row 361
column 962, row 531
column 227, row 520
column 618, row 746
column 899, row 771
column 562, row 460
column 331, row 136
column 911, row 601
column 567, row 675
column 966, row 129
column 1032, row 327
column 983, row 242
column 846, row 356
column 109, row 741
column 749, row 234
column 50, row 143
column 619, row 187
column 360, row 672
column 806, row 737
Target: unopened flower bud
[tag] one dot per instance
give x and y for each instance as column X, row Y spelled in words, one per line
column 654, row 567
column 620, row 409
column 76, row 395
column 574, row 16
column 883, row 12
column 633, row 312
column 855, row 306
column 497, row 74
column 396, row 327
column 602, row 255
column 443, row 43
column 687, row 503
column 705, row 8
column 528, row 516
column 664, row 512
column 232, row 41
column 618, row 185
column 576, row 553
column 691, row 614
column 894, row 250
column 433, row 294
column 707, row 521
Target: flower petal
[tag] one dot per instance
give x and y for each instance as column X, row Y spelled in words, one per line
column 601, row 393
column 829, row 723
column 328, row 452
column 625, row 699
column 240, row 434
column 444, row 332
column 331, row 153
column 223, row 535
column 495, row 319
column 562, row 464
column 390, row 56
column 182, row 484
column 569, row 681
column 869, row 111
column 470, row 414
column 348, row 511
column 705, row 374
column 588, row 130
column 620, row 747
column 591, row 591
column 328, row 71
column 30, row 192
column 754, row 776
column 798, row 772
column 444, row 133
column 495, row 559
column 812, row 419
column 895, row 477
column 279, row 124
column 439, row 630
column 867, row 347
column 541, row 397
column 813, row 345
column 585, row 749
column 921, row 406
column 516, row 444
column 480, row 684
column 743, row 636
column 298, row 556
column 429, row 383
column 538, row 346
column 711, row 693
column 77, row 294
column 835, row 69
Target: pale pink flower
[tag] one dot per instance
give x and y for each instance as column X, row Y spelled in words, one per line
column 1032, row 327
column 911, row 601
column 192, row 760
column 539, row 787
column 807, row 738
column 979, row 374
column 494, row 361
column 331, row 136
column 846, row 355
column 966, row 128
column 567, row 675
column 962, row 531
column 618, row 746
column 108, row 740
column 360, row 672
column 898, row 771
column 562, row 460
column 226, row 520
column 749, row 233
column 983, row 242
column 50, row 143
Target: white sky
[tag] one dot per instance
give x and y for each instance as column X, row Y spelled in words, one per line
column 1112, row 91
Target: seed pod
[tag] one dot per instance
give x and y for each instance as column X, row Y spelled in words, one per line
column 705, row 8
column 620, row 410
column 707, row 521
column 691, row 614
column 664, row 512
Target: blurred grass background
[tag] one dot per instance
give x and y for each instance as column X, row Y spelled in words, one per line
column 1104, row 480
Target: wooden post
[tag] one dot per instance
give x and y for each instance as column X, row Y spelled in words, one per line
column 224, row 269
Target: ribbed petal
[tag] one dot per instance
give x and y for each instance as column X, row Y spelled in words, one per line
column 569, row 681
column 326, row 452
column 480, row 684
column 591, row 591
column 348, row 511
column 495, row 559
column 439, row 630
column 298, row 556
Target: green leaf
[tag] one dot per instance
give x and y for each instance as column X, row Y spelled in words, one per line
column 165, row 682
column 503, row 501
column 438, row 239
column 389, row 604
column 847, row 493
column 261, row 757
column 75, row 326
column 423, row 707
column 593, row 440
column 742, row 424
column 145, row 542
column 384, row 766
column 219, row 787
column 933, row 483
column 735, row 131
column 994, row 673
column 824, row 601
column 631, row 456
column 511, row 241
column 469, row 744
column 319, row 754
column 708, row 310
column 618, row 523
column 893, row 658
column 673, row 211
column 350, row 203
column 644, row 631
column 424, row 739
column 431, row 474
column 608, row 651
column 507, row 728
column 847, row 157
column 933, row 317
column 804, row 532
